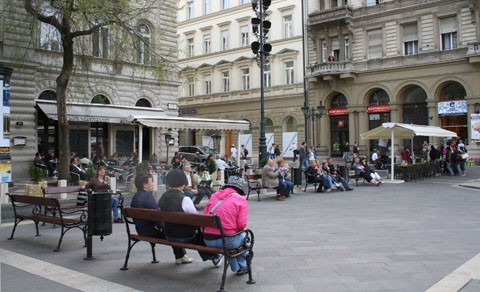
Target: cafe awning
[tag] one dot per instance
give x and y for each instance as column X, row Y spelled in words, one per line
column 149, row 117
column 192, row 123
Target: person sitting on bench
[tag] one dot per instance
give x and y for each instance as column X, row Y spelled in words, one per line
column 359, row 169
column 76, row 169
column 270, row 179
column 314, row 176
column 175, row 200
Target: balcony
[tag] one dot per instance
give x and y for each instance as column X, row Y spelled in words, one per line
column 338, row 14
column 473, row 53
column 332, row 68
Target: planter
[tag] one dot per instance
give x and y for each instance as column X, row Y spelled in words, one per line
column 35, row 190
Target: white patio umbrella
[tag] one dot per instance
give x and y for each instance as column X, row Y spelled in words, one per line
column 404, row 131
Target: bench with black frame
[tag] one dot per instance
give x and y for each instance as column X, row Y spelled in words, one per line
column 37, row 209
column 254, row 182
column 309, row 181
column 353, row 175
column 197, row 220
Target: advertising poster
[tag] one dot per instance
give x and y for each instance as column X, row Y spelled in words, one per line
column 475, row 124
column 5, row 165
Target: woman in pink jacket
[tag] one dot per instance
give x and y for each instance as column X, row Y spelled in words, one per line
column 231, row 206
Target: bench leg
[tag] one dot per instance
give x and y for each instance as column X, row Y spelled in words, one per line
column 306, row 185
column 248, row 195
column 154, row 261
column 356, row 181
column 249, row 267
column 224, row 275
column 36, row 228
column 60, row 240
column 258, row 194
column 15, row 228
column 127, row 256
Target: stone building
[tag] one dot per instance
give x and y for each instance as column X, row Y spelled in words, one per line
column 221, row 79
column 406, row 61
column 107, row 92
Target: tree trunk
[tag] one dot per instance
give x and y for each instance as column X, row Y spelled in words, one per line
column 63, row 126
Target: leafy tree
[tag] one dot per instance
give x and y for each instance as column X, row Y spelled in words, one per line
column 76, row 19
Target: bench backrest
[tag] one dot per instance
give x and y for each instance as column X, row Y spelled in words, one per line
column 48, row 202
column 60, row 190
column 254, row 176
column 199, row 220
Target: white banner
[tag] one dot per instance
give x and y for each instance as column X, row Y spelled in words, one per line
column 289, row 143
column 454, row 107
column 475, row 124
column 246, row 139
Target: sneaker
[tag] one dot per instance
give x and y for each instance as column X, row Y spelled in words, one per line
column 118, row 220
column 183, row 260
column 350, row 189
column 328, row 190
column 337, row 184
column 217, row 261
column 242, row 271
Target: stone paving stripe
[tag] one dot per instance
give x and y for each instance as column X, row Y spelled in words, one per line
column 67, row 277
column 460, row 277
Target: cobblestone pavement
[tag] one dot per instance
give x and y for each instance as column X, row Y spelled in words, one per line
column 408, row 237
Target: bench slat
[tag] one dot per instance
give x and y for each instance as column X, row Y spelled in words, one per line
column 60, row 190
column 49, row 202
column 177, row 244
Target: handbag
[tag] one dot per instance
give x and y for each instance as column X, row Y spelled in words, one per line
column 465, row 156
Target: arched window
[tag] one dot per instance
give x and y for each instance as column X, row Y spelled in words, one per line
column 48, row 95
column 289, row 125
column 268, row 125
column 379, row 97
column 339, row 101
column 143, row 103
column 453, row 91
column 143, row 45
column 101, row 42
column 415, row 95
column 100, row 98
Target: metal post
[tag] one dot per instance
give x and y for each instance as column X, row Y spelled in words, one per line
column 313, row 128
column 262, row 141
column 305, row 64
column 90, row 222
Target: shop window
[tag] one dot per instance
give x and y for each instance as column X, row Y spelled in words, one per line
column 124, row 143
column 453, row 91
column 379, row 97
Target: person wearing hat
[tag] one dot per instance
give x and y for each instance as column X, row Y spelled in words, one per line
column 174, row 200
column 230, row 205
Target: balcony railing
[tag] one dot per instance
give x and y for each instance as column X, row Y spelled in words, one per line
column 334, row 14
column 335, row 67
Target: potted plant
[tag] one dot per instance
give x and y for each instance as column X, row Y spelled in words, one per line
column 35, row 189
column 90, row 172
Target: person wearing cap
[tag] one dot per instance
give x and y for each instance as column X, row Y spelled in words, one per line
column 230, row 205
column 174, row 200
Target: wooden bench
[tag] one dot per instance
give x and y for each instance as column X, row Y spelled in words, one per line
column 37, row 209
column 48, row 192
column 354, row 176
column 254, row 182
column 197, row 220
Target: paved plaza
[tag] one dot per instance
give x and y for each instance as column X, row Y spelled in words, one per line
column 415, row 236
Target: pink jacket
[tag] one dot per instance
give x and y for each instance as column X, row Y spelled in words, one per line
column 233, row 211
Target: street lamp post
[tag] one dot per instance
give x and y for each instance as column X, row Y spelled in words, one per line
column 312, row 113
column 261, row 49
column 168, row 138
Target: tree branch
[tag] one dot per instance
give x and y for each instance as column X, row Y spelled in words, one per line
column 46, row 19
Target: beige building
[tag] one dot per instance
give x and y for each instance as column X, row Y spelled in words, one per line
column 221, row 79
column 107, row 94
column 374, row 61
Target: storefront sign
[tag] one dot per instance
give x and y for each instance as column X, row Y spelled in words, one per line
column 452, row 108
column 381, row 108
column 338, row 112
column 475, row 124
column 188, row 111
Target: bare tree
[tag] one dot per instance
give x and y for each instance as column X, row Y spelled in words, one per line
column 74, row 19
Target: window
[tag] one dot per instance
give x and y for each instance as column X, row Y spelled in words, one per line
column 267, row 76
column 190, row 47
column 324, row 51
column 375, row 47
column 100, row 42
column 410, row 39
column 143, row 54
column 190, row 12
column 244, row 2
column 225, row 4
column 347, row 48
column 334, row 3
column 244, row 36
column 246, row 79
column 191, row 86
column 224, row 45
column 207, row 40
column 101, row 99
column 49, row 36
column 287, row 26
column 336, row 48
column 207, row 7
column 289, row 73
column 226, row 81
column 6, row 126
column 374, row 2
column 207, row 84
column 143, row 102
column 448, row 32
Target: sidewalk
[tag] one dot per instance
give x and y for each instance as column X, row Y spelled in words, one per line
column 406, row 237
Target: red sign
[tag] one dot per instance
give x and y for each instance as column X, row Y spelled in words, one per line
column 341, row 124
column 382, row 108
column 338, row 111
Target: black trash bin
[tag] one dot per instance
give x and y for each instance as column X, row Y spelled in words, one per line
column 343, row 171
column 297, row 176
column 100, row 214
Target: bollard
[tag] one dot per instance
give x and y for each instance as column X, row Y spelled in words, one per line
column 155, row 183
column 3, row 193
column 62, row 183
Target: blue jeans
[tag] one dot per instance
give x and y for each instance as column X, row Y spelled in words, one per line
column 343, row 182
column 287, row 187
column 449, row 168
column 304, row 164
column 327, row 181
column 192, row 239
column 236, row 263
column 115, row 207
